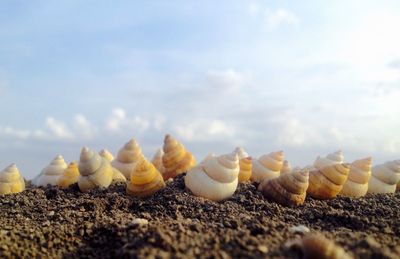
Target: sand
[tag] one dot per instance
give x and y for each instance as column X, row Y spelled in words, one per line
column 49, row 222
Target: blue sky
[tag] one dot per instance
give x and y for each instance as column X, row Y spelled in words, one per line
column 308, row 78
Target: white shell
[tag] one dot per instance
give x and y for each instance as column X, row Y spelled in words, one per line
column 330, row 159
column 51, row 173
column 384, row 177
column 127, row 158
column 241, row 153
column 267, row 166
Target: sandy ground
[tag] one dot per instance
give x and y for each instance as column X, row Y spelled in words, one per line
column 50, row 222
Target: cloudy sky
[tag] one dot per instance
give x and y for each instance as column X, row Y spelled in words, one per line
column 307, row 77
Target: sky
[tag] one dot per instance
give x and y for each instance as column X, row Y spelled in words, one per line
column 307, row 77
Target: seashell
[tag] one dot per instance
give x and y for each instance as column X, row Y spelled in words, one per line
column 267, row 166
column 157, row 160
column 128, row 157
column 286, row 167
column 241, row 153
column 215, row 179
column 299, row 229
column 357, row 182
column 176, row 159
column 288, row 189
column 327, row 182
column 11, row 180
column 384, row 177
column 145, row 180
column 246, row 166
column 69, row 176
column 318, row 246
column 95, row 171
column 51, row 173
column 106, row 154
column 331, row 159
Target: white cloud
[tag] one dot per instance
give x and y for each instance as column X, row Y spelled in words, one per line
column 118, row 121
column 59, row 129
column 280, row 17
column 15, row 133
column 225, row 79
column 83, row 127
column 204, row 130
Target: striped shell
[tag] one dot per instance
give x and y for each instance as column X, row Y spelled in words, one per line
column 69, row 176
column 357, row 182
column 128, row 157
column 51, row 173
column 157, row 160
column 11, row 180
column 267, row 166
column 384, row 177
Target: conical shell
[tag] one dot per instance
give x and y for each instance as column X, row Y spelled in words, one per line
column 286, row 167
column 157, row 160
column 241, row 153
column 385, row 177
column 176, row 158
column 215, row 179
column 128, row 157
column 267, row 166
column 51, row 173
column 145, row 180
column 246, row 166
column 288, row 189
column 11, row 180
column 95, row 171
column 106, row 154
column 327, row 182
column 318, row 246
column 331, row 159
column 357, row 182
column 69, row 176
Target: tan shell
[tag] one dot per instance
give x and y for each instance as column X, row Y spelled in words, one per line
column 176, row 158
column 318, row 246
column 246, row 166
column 69, row 176
column 288, row 189
column 331, row 159
column 385, row 177
column 145, row 180
column 215, row 179
column 51, row 173
column 267, row 166
column 357, row 182
column 286, row 167
column 11, row 180
column 327, row 182
column 106, row 154
column 157, row 160
column 128, row 157
column 96, row 171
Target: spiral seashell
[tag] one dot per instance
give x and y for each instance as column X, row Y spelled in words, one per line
column 288, row 189
column 246, row 166
column 95, row 171
column 357, row 183
column 215, row 179
column 327, row 182
column 157, row 160
column 286, row 167
column 11, row 180
column 331, row 159
column 241, row 153
column 128, row 157
column 51, row 173
column 176, row 159
column 145, row 180
column 316, row 245
column 69, row 176
column 267, row 166
column 106, row 154
column 384, row 177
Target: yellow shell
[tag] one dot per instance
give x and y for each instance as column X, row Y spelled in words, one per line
column 327, row 182
column 157, row 160
column 216, row 178
column 331, row 159
column 267, row 166
column 145, row 180
column 11, row 180
column 95, row 171
column 176, row 158
column 69, row 176
column 128, row 157
column 286, row 167
column 288, row 189
column 318, row 246
column 51, row 173
column 106, row 154
column 357, row 182
column 246, row 166
column 385, row 177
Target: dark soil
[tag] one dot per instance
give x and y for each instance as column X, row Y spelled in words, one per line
column 49, row 222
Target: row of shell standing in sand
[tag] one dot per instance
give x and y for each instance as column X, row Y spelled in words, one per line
column 216, row 177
